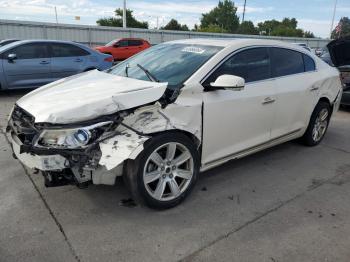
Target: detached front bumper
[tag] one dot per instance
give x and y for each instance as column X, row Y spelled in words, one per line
column 100, row 162
column 100, row 166
column 41, row 162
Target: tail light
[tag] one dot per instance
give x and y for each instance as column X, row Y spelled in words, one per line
column 109, row 59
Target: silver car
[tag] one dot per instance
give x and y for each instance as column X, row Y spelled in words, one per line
column 33, row 63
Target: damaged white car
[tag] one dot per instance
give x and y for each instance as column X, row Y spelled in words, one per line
column 178, row 108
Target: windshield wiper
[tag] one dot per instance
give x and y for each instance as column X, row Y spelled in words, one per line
column 148, row 74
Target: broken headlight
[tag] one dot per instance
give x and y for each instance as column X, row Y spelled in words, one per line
column 71, row 138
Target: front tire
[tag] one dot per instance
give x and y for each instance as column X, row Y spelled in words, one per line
column 165, row 172
column 318, row 125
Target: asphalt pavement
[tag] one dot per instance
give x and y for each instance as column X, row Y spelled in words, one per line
column 287, row 203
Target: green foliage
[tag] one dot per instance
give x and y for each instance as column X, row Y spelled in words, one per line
column 212, row 29
column 309, row 34
column 224, row 19
column 287, row 27
column 175, row 25
column 118, row 20
column 247, row 28
column 345, row 28
column 223, row 16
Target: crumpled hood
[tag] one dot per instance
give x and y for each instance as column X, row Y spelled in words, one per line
column 339, row 51
column 88, row 95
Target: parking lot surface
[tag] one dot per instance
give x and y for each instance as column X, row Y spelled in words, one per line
column 288, row 203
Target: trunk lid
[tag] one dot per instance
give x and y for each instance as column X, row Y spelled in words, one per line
column 339, row 51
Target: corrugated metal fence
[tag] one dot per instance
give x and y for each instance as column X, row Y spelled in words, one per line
column 98, row 35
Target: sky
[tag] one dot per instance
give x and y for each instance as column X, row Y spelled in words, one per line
column 312, row 15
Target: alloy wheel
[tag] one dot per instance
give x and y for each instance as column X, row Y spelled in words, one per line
column 168, row 171
column 320, row 125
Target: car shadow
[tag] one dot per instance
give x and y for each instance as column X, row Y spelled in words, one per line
column 345, row 109
column 15, row 93
column 231, row 172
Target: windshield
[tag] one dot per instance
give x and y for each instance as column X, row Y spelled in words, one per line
column 172, row 63
column 112, row 42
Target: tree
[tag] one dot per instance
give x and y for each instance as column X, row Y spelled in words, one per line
column 309, row 34
column 118, row 20
column 175, row 25
column 287, row 27
column 212, row 29
column 344, row 24
column 223, row 16
column 247, row 28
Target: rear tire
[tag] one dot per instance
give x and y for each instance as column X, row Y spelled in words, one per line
column 165, row 172
column 318, row 124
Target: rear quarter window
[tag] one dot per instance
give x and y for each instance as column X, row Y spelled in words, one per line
column 309, row 63
column 286, row 62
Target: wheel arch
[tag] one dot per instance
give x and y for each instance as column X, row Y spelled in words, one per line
column 196, row 142
column 191, row 136
column 326, row 100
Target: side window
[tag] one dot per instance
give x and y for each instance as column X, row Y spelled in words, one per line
column 29, row 51
column 252, row 65
column 123, row 43
column 286, row 62
column 309, row 63
column 67, row 50
column 135, row 42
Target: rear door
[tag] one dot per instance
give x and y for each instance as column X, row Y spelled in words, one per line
column 67, row 59
column 135, row 46
column 296, row 87
column 123, row 50
column 30, row 69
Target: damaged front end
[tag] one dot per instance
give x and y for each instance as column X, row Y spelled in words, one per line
column 78, row 153
column 82, row 129
column 95, row 151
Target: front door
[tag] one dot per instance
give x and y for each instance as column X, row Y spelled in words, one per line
column 30, row 67
column 235, row 121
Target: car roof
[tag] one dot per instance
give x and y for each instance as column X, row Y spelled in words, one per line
column 21, row 42
column 238, row 42
column 46, row 41
column 9, row 39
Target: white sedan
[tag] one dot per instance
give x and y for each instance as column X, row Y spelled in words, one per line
column 178, row 108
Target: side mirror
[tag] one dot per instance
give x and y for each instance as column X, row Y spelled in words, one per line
column 229, row 82
column 11, row 57
column 116, row 45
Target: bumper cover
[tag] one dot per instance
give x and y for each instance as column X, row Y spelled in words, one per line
column 41, row 162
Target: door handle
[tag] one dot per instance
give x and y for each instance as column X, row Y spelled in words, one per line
column 314, row 88
column 44, row 62
column 78, row 60
column 268, row 100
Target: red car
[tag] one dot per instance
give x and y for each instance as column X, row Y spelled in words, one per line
column 123, row 48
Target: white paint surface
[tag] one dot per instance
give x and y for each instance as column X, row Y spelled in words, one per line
column 87, row 96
